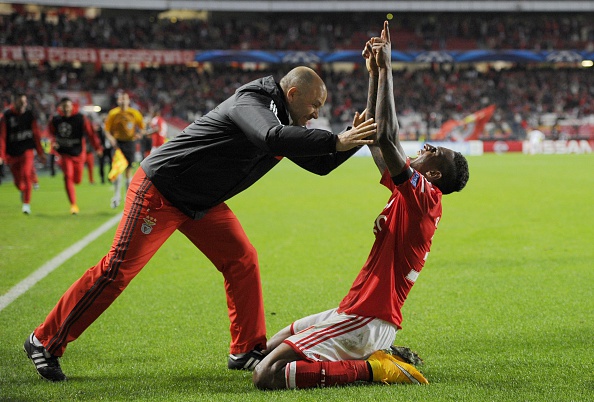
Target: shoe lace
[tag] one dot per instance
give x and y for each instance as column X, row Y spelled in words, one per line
column 52, row 361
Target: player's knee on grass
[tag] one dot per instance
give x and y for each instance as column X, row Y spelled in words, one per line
column 269, row 376
column 259, row 376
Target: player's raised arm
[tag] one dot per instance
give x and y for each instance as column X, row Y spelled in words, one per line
column 387, row 121
column 373, row 71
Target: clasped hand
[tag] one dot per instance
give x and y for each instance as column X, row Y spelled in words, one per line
column 358, row 135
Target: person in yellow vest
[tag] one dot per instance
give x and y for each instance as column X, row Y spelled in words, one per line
column 124, row 125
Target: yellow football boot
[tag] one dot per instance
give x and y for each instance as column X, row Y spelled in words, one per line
column 391, row 370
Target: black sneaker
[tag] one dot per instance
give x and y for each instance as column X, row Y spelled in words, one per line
column 246, row 362
column 46, row 365
column 405, row 354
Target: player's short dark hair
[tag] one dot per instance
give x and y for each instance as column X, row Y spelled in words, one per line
column 64, row 99
column 455, row 176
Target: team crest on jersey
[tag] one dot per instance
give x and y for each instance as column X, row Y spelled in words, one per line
column 148, row 224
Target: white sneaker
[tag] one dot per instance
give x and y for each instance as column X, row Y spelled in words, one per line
column 26, row 209
column 115, row 202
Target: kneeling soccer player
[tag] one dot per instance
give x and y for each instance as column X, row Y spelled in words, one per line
column 347, row 344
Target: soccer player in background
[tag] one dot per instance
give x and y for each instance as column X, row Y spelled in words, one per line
column 535, row 138
column 155, row 134
column 347, row 344
column 124, row 125
column 159, row 128
column 90, row 161
column 19, row 137
column 68, row 131
column 106, row 157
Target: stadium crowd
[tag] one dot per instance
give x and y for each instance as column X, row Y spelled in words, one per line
column 435, row 95
column 428, row 97
column 311, row 31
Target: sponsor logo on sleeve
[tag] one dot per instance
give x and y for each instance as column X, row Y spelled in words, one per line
column 414, row 180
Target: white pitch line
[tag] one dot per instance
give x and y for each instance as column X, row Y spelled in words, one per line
column 54, row 263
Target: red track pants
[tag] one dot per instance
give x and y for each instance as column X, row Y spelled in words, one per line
column 73, row 167
column 22, row 169
column 148, row 220
column 90, row 162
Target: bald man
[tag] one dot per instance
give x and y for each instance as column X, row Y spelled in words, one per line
column 183, row 186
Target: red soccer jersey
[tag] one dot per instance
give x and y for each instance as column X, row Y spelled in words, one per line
column 160, row 126
column 403, row 234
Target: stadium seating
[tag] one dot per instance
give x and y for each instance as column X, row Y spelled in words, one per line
column 426, row 96
column 299, row 31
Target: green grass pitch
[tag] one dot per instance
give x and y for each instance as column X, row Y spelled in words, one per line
column 503, row 311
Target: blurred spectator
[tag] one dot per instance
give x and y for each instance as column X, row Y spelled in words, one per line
column 435, row 95
column 429, row 96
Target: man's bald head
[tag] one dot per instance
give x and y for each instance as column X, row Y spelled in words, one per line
column 303, row 78
column 305, row 93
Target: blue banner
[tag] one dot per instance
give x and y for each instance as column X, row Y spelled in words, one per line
column 354, row 56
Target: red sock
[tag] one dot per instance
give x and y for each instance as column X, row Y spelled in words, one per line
column 305, row 374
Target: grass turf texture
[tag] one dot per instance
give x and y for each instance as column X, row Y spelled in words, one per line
column 502, row 311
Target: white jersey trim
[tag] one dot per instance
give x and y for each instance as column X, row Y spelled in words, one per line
column 274, row 110
column 412, row 275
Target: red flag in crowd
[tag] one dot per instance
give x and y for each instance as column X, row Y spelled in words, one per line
column 469, row 128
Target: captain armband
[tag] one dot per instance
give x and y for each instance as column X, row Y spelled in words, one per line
column 403, row 176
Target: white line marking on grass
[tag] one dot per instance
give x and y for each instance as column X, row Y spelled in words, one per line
column 54, row 263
